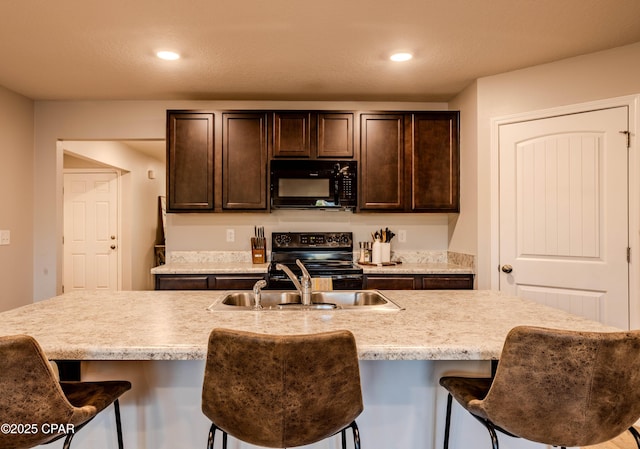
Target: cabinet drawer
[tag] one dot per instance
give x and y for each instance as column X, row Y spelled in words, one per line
column 236, row 282
column 448, row 282
column 182, row 282
column 391, row 282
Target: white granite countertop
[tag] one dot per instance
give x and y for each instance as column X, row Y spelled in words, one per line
column 229, row 262
column 210, row 268
column 417, row 268
column 248, row 267
column 174, row 325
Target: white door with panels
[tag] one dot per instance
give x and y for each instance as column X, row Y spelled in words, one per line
column 90, row 231
column 564, row 213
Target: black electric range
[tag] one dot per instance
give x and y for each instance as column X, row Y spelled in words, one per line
column 324, row 254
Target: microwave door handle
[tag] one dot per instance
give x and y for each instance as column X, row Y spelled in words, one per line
column 336, row 190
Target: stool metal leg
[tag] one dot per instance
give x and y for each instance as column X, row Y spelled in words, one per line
column 447, row 423
column 116, row 408
column 636, row 435
column 356, row 435
column 212, row 436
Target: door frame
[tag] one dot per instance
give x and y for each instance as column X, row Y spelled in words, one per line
column 118, row 174
column 632, row 102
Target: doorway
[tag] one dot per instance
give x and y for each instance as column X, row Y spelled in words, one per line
column 141, row 164
column 564, row 212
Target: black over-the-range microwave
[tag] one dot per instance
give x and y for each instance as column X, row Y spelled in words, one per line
column 314, row 184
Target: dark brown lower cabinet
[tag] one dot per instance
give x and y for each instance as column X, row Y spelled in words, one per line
column 207, row 281
column 419, row 281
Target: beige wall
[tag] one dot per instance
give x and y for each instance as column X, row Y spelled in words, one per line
column 591, row 77
column 463, row 227
column 16, row 199
column 587, row 78
column 124, row 120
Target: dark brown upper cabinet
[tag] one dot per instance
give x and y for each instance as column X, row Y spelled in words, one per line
column 335, row 134
column 382, row 161
column 435, row 162
column 244, row 160
column 307, row 134
column 190, row 161
column 410, row 161
column 292, row 134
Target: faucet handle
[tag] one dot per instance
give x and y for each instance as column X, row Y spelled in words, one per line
column 305, row 273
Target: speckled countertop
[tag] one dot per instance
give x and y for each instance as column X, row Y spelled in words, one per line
column 174, row 325
column 418, row 268
column 248, row 267
column 220, row 262
column 210, row 268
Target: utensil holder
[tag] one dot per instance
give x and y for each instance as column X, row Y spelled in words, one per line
column 258, row 250
column 381, row 253
column 258, row 256
column 376, row 253
column 385, row 252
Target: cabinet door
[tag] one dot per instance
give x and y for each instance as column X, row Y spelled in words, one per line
column 335, row 135
column 189, row 161
column 244, row 160
column 292, row 134
column 435, row 162
column 382, row 161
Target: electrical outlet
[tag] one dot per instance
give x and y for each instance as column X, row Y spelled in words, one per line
column 402, row 236
column 5, row 237
column 231, row 235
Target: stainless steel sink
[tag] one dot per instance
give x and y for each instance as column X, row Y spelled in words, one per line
column 290, row 300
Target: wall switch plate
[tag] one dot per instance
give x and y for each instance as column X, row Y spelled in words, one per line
column 5, row 237
column 402, row 236
column 231, row 235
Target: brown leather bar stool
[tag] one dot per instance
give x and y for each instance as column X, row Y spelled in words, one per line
column 281, row 390
column 33, row 401
column 556, row 387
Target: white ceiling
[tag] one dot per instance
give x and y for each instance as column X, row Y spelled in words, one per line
column 292, row 49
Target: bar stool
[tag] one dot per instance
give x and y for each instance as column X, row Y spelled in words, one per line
column 281, row 390
column 32, row 399
column 556, row 387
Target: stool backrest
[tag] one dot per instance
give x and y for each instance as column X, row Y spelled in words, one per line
column 281, row 390
column 29, row 392
column 566, row 388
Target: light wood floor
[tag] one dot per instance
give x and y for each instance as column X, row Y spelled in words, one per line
column 624, row 441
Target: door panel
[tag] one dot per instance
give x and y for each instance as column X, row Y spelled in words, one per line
column 563, row 213
column 90, row 231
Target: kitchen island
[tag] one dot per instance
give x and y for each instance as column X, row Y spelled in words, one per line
column 157, row 340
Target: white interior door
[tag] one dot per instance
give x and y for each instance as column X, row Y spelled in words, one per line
column 564, row 213
column 90, row 231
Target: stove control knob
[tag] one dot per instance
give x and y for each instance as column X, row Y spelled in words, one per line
column 286, row 239
column 344, row 239
column 282, row 239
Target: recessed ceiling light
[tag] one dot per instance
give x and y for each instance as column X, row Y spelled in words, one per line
column 401, row 57
column 168, row 55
